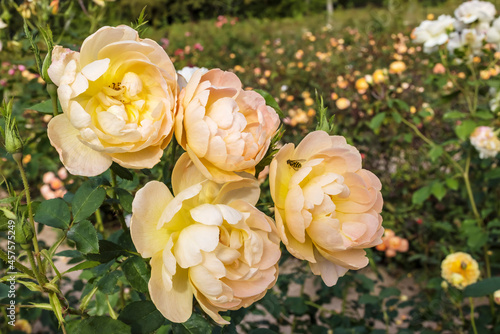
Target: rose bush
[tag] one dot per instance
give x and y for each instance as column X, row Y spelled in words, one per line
column 223, row 128
column 327, row 208
column 208, row 241
column 118, row 95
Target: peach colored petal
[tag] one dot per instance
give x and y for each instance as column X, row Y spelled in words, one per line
column 176, row 304
column 64, row 137
column 146, row 158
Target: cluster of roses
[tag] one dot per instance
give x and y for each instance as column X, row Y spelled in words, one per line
column 123, row 102
column 474, row 23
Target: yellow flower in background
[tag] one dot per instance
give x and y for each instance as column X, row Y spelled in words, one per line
column 379, row 76
column 327, row 207
column 343, row 103
column 118, row 96
column 209, row 241
column 460, row 270
column 362, row 85
column 397, row 67
column 22, row 325
column 223, row 128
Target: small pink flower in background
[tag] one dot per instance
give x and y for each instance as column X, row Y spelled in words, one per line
column 392, row 244
column 179, row 52
column 439, row 69
column 165, row 42
column 21, row 67
column 234, row 20
column 12, row 71
column 3, row 82
column 221, row 20
column 187, row 34
column 198, row 47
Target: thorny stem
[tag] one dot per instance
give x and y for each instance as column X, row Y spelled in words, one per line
column 34, row 268
column 18, row 158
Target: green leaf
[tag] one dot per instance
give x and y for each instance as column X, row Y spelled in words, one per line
column 137, row 273
column 421, row 195
column 87, row 200
column 376, row 121
column 125, row 199
column 107, row 251
column 477, row 239
column 270, row 101
column 368, row 299
column 296, row 305
column 465, row 129
column 108, row 283
column 43, row 107
column 98, row 325
column 439, row 190
column 454, row 115
column 482, row 288
column 196, row 324
column 83, row 265
column 452, row 183
column 54, row 213
column 402, row 105
column 485, row 115
column 435, row 152
column 389, row 292
column 397, row 117
column 142, row 317
column 492, row 174
column 122, row 172
column 85, row 237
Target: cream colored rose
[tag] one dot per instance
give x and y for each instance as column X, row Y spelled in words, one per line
column 208, row 241
column 223, row 128
column 118, row 95
column 327, row 208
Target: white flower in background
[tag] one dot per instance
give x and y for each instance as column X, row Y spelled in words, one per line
column 187, row 72
column 485, row 141
column 3, row 25
column 493, row 33
column 475, row 10
column 433, row 33
column 467, row 37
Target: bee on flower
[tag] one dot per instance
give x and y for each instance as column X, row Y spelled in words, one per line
column 460, row 270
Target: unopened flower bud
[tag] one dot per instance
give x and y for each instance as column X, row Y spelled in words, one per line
column 12, row 139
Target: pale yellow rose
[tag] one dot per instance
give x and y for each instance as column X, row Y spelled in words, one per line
column 327, row 208
column 118, row 95
column 223, row 128
column 460, row 270
column 208, row 241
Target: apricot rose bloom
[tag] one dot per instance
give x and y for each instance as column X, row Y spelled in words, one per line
column 327, row 208
column 208, row 241
column 118, row 95
column 223, row 128
column 460, row 270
